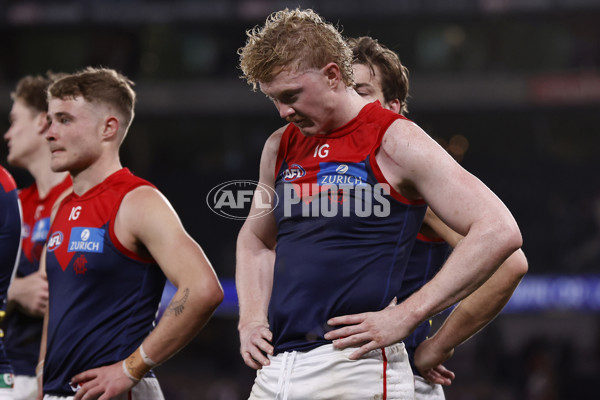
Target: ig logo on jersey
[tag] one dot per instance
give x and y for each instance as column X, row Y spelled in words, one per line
column 233, row 199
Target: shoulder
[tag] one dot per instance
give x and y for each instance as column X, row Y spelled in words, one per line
column 270, row 152
column 6, row 180
column 143, row 209
column 140, row 197
column 274, row 140
column 402, row 132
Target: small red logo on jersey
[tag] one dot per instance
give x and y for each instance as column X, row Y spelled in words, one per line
column 79, row 265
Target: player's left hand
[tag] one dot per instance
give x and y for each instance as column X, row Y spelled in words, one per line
column 102, row 383
column 368, row 331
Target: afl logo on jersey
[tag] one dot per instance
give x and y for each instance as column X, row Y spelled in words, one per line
column 342, row 169
column 294, row 172
column 55, row 240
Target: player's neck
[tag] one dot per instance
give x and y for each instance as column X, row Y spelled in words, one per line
column 94, row 174
column 350, row 106
column 45, row 178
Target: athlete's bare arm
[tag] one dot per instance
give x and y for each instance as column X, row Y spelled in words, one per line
column 469, row 317
column 417, row 166
column 147, row 224
column 254, row 268
column 472, row 313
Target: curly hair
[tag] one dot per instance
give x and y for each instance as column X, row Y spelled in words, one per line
column 102, row 85
column 298, row 39
column 393, row 75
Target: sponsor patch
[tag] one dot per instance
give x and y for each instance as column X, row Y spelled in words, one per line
column 86, row 240
column 342, row 174
column 40, row 230
column 6, row 382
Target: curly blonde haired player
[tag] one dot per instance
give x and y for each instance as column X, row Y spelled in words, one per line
column 111, row 245
column 345, row 267
column 380, row 76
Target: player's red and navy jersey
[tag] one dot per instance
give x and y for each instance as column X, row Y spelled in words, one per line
column 427, row 257
column 23, row 331
column 344, row 235
column 10, row 237
column 103, row 297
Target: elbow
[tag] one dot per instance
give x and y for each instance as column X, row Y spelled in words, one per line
column 214, row 296
column 509, row 238
column 518, row 265
column 209, row 295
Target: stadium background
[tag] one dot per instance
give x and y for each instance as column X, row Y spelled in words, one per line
column 510, row 87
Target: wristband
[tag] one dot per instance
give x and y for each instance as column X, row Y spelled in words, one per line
column 135, row 366
column 135, row 380
column 147, row 360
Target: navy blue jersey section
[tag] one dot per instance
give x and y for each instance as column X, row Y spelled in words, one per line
column 344, row 236
column 10, row 237
column 102, row 301
column 10, row 233
column 426, row 259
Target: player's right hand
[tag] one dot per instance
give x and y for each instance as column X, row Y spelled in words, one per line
column 255, row 344
column 30, row 293
column 428, row 360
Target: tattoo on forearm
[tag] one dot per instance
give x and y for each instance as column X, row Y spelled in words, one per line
column 176, row 307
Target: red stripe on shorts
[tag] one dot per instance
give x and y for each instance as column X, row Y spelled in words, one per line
column 384, row 373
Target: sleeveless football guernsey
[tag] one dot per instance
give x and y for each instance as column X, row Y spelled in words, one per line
column 103, row 297
column 344, row 235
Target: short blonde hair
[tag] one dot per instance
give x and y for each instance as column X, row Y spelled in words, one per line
column 298, row 39
column 101, row 85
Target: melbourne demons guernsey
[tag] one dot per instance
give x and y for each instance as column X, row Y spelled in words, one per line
column 10, row 237
column 344, row 235
column 103, row 297
column 23, row 331
column 427, row 257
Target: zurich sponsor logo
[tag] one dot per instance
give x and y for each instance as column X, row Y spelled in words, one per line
column 87, row 240
column 55, row 241
column 348, row 174
column 40, row 230
column 295, row 171
column 342, row 169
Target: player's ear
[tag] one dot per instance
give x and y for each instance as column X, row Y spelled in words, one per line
column 41, row 122
column 111, row 127
column 394, row 106
column 332, row 73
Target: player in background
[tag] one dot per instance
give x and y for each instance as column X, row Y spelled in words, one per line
column 380, row 76
column 28, row 292
column 112, row 243
column 10, row 243
column 331, row 269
